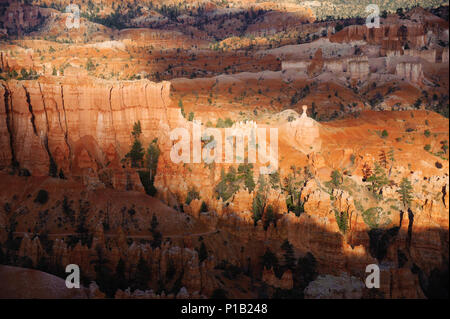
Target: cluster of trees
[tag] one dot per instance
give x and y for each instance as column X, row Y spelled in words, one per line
column 261, row 209
column 342, row 219
column 110, row 280
column 191, row 195
column 292, row 185
column 378, row 179
column 23, row 75
column 123, row 13
column 231, row 182
column 301, row 94
column 190, row 116
column 119, row 19
column 146, row 161
column 375, row 179
column 224, row 123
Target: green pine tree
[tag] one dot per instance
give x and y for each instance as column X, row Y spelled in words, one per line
column 137, row 130
column 405, row 192
column 378, row 179
column 151, row 158
column 136, row 154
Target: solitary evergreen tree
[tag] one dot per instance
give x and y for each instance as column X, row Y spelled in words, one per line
column 151, row 159
column 405, row 192
column 137, row 130
column 136, row 153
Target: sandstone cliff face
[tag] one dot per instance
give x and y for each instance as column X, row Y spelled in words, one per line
column 410, row 71
column 81, row 126
column 389, row 36
column 359, row 68
column 445, row 55
column 427, row 55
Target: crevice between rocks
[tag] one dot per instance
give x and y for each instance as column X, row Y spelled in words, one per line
column 66, row 138
column 30, row 108
column 9, row 124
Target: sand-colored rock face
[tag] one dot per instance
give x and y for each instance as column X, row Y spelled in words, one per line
column 390, row 36
column 410, row 71
column 83, row 125
column 359, row 68
column 427, row 55
column 303, row 133
column 445, row 55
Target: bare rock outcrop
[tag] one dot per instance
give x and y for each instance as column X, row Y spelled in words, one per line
column 304, row 132
column 410, row 71
column 335, row 287
column 445, row 55
column 358, row 68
